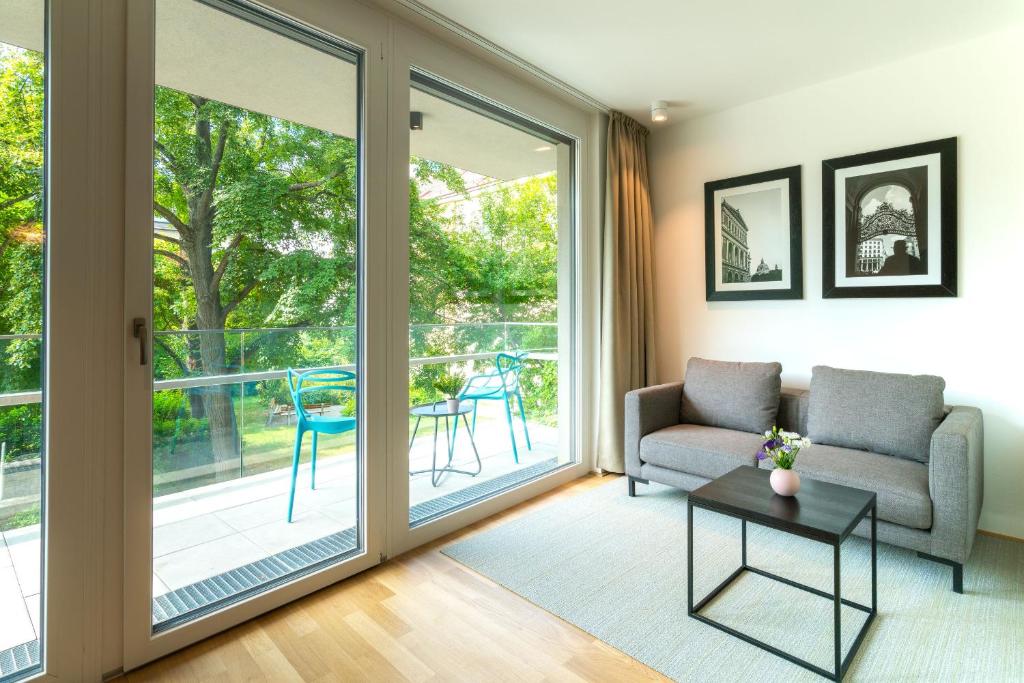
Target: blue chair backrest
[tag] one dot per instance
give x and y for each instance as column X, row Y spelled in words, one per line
column 509, row 366
column 300, row 383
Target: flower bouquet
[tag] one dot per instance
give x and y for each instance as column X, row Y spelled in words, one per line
column 781, row 448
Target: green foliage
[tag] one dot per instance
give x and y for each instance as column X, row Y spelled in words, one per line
column 21, row 243
column 449, row 384
column 20, row 429
column 264, row 237
column 32, row 515
column 21, row 210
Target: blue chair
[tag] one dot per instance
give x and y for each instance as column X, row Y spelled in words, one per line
column 304, row 383
column 500, row 385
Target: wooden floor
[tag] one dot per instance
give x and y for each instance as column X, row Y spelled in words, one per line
column 418, row 617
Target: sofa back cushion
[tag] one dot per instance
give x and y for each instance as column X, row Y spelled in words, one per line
column 741, row 396
column 882, row 412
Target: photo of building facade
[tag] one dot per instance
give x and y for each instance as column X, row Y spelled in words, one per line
column 735, row 252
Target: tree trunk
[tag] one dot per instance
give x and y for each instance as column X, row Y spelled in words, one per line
column 210, row 318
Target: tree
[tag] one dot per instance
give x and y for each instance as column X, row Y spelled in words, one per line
column 265, row 212
column 513, row 255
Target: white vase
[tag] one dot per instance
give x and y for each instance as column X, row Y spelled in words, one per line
column 453, row 405
column 785, row 482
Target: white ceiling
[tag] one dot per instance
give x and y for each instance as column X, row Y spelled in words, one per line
column 707, row 55
column 206, row 52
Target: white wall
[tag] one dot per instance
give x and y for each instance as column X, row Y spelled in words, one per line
column 972, row 91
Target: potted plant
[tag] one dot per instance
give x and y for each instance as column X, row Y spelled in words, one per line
column 781, row 448
column 450, row 385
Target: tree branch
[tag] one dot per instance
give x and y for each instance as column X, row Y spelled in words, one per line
column 166, row 154
column 181, row 226
column 14, row 200
column 233, row 304
column 174, row 257
column 298, row 187
column 223, row 264
column 167, row 238
column 170, row 352
column 218, row 154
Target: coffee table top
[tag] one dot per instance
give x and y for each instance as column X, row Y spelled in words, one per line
column 823, row 511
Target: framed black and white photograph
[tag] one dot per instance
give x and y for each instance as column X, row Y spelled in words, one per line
column 753, row 239
column 889, row 222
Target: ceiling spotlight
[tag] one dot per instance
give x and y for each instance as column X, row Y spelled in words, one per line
column 659, row 111
column 415, row 120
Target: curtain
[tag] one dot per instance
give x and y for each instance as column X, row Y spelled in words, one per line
column 627, row 285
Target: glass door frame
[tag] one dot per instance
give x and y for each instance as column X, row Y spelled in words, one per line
column 413, row 50
column 366, row 30
column 82, row 310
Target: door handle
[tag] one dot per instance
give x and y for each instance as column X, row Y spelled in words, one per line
column 139, row 332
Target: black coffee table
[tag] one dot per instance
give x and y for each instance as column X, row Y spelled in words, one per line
column 822, row 512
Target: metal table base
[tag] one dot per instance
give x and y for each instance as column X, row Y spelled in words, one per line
column 840, row 663
column 437, row 472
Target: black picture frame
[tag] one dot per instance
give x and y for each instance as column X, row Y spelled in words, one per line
column 795, row 237
column 917, row 189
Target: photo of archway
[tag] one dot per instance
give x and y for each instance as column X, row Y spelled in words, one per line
column 890, row 214
column 889, row 221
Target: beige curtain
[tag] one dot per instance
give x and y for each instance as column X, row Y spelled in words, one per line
column 627, row 284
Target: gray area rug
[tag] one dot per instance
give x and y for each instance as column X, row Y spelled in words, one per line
column 616, row 567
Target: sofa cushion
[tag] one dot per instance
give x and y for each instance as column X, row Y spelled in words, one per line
column 875, row 411
column 742, row 396
column 705, row 451
column 901, row 485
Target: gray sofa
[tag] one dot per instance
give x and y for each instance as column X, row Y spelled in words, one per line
column 886, row 433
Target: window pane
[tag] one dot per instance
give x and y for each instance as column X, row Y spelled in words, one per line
column 255, row 274
column 490, row 300
column 22, row 230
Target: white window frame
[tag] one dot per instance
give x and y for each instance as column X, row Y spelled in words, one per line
column 364, row 29
column 412, row 49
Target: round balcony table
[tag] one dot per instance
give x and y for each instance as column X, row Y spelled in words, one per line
column 437, row 411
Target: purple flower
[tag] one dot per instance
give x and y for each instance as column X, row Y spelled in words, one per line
column 771, row 443
column 761, row 455
column 787, row 449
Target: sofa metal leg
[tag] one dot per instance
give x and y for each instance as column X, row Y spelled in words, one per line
column 958, row 570
column 633, row 481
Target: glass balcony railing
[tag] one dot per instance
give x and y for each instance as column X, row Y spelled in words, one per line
column 237, row 419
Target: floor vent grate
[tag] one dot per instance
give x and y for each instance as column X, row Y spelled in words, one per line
column 430, row 509
column 208, row 594
column 18, row 660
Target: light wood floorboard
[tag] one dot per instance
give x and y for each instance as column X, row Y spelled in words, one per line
column 417, row 617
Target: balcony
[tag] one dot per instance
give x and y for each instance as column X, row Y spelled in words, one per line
column 220, row 524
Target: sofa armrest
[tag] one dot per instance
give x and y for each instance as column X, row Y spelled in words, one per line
column 648, row 410
column 956, row 482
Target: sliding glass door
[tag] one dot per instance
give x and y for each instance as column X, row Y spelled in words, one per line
column 252, row 344
column 266, row 279
column 491, row 299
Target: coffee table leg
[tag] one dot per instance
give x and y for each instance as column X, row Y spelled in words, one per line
column 689, row 557
column 874, row 558
column 743, row 533
column 838, row 602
